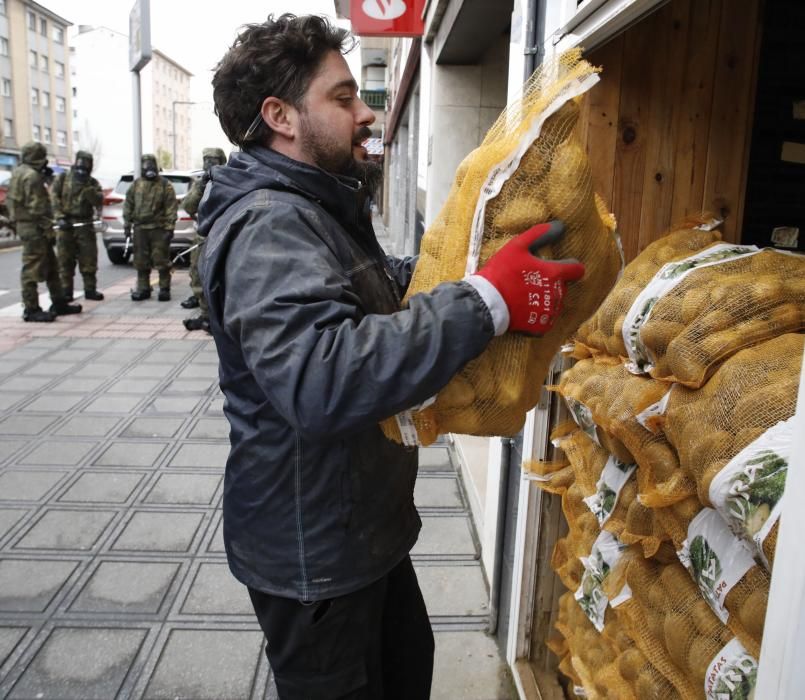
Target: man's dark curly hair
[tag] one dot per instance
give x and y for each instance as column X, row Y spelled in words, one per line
column 277, row 58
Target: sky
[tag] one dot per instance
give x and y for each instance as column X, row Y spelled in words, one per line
column 196, row 35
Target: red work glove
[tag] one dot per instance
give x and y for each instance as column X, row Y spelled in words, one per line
column 532, row 287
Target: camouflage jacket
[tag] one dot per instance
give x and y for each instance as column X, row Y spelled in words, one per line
column 191, row 200
column 75, row 200
column 27, row 198
column 150, row 204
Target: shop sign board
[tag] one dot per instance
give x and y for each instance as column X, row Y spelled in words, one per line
column 387, row 17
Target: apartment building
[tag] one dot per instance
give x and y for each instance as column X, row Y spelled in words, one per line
column 35, row 87
column 167, row 110
column 103, row 103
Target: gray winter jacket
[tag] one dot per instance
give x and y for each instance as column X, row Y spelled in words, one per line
column 314, row 351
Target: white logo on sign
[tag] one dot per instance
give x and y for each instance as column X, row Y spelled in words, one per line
column 384, row 9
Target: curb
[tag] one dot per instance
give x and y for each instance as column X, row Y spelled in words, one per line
column 10, row 243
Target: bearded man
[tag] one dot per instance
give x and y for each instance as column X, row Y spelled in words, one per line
column 314, row 351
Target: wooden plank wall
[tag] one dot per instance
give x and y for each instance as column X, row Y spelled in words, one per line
column 669, row 125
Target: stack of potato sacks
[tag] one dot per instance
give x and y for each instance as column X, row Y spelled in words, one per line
column 682, row 396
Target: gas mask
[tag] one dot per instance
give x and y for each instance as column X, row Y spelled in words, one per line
column 82, row 166
column 150, row 169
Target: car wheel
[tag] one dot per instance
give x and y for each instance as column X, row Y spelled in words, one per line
column 117, row 257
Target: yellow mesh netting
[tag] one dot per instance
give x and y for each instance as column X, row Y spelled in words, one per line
column 602, row 332
column 492, row 394
column 615, row 397
column 717, row 310
column 751, row 392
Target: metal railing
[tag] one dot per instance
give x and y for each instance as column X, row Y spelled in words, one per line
column 376, row 99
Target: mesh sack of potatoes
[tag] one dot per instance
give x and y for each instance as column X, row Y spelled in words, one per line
column 679, row 634
column 614, row 398
column 610, row 492
column 530, row 168
column 733, row 436
column 602, row 333
column 697, row 312
column 592, row 655
column 734, row 585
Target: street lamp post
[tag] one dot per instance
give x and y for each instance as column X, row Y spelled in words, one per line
column 173, row 115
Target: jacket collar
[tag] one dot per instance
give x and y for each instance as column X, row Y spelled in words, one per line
column 343, row 196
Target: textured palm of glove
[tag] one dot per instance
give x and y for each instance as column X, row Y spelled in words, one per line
column 127, row 231
column 168, row 235
column 532, row 287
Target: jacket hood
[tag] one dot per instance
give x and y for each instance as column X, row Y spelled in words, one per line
column 260, row 168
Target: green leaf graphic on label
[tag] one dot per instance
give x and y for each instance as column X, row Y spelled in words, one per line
column 705, row 565
column 756, row 489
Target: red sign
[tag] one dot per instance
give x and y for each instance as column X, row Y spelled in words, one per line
column 387, row 17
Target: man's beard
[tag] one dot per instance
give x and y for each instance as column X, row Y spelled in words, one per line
column 369, row 172
column 325, row 151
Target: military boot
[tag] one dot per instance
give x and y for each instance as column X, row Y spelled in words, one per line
column 62, row 308
column 68, row 294
column 190, row 303
column 164, row 294
column 140, row 294
column 38, row 315
column 93, row 295
column 198, row 323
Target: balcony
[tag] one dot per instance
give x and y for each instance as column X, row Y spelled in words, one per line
column 376, row 99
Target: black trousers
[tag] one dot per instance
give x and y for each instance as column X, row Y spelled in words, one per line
column 373, row 644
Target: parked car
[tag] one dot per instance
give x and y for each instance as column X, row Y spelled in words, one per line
column 112, row 217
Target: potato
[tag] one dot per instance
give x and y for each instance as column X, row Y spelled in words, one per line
column 694, row 304
column 700, row 653
column 677, row 633
column 752, row 612
column 457, row 394
column 630, row 663
column 568, row 178
column 518, row 215
column 656, row 335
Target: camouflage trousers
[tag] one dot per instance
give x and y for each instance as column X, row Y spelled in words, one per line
column 39, row 264
column 78, row 245
column 195, row 280
column 151, row 250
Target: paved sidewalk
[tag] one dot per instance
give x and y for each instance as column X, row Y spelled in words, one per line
column 113, row 579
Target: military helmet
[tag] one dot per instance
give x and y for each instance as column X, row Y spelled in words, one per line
column 148, row 156
column 34, row 154
column 217, row 153
column 85, row 156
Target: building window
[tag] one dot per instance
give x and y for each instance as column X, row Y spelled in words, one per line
column 43, row 64
column 34, row 96
column 31, row 21
column 2, row 7
column 43, row 26
column 6, row 87
column 37, row 133
column 75, row 92
column 33, row 59
column 59, row 69
column 61, row 138
column 58, row 35
column 45, row 99
column 8, row 128
column 47, row 135
column 59, row 104
column 3, row 46
column 75, row 136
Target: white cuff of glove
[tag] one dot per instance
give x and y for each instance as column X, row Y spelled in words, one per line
column 493, row 300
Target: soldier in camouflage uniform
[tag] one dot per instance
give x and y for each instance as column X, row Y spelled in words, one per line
column 150, row 208
column 29, row 210
column 211, row 157
column 77, row 198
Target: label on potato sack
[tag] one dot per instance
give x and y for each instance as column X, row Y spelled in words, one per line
column 748, row 491
column 715, row 558
column 666, row 278
column 605, row 553
column 732, row 674
column 613, row 477
column 584, row 418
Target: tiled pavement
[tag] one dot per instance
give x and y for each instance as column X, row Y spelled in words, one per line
column 113, row 579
